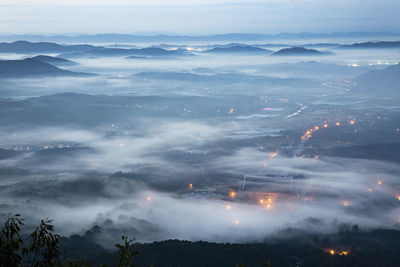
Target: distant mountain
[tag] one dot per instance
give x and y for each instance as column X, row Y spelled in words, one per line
column 55, row 60
column 164, row 38
column 32, row 67
column 297, row 51
column 313, row 69
column 133, row 52
column 6, row 153
column 387, row 79
column 42, row 47
column 369, row 45
column 210, row 46
column 239, row 49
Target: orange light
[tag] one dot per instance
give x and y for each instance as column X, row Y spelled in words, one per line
column 398, row 197
column 337, row 123
column 228, row 207
column 269, row 206
column 325, row 125
column 236, row 222
column 316, row 128
column 352, row 122
column 344, row 253
column 148, row 198
column 332, row 252
column 233, row 194
column 380, row 182
column 274, row 155
column 190, row 186
column 346, row 203
column 261, row 201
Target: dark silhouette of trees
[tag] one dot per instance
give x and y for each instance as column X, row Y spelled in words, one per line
column 43, row 250
column 11, row 241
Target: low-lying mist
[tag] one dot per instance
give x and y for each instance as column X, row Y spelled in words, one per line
column 202, row 146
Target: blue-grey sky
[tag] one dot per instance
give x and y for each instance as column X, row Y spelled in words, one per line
column 197, row 16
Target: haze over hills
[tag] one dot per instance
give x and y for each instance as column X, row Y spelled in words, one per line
column 309, row 68
column 126, row 38
column 155, row 148
column 227, row 78
column 149, row 51
column 54, row 60
column 205, row 133
column 31, row 67
column 371, row 45
column 297, row 51
column 387, row 79
column 41, row 47
column 239, row 49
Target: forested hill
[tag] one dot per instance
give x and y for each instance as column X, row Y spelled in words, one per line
column 374, row 248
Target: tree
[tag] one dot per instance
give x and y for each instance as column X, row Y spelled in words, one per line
column 11, row 241
column 126, row 253
column 44, row 245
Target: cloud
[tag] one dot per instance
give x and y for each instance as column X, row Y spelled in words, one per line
column 153, row 203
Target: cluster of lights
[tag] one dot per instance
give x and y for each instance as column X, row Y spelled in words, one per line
column 308, row 134
column 341, row 253
column 266, row 202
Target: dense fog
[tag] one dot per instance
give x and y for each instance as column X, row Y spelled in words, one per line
column 193, row 143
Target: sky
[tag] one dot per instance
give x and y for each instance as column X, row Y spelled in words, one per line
column 197, row 16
